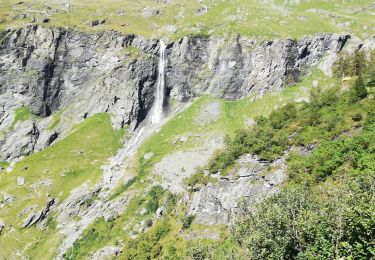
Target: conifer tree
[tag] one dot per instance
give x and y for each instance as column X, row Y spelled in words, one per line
column 359, row 90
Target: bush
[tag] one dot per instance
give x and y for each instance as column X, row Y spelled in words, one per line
column 187, row 221
column 330, row 221
column 155, row 194
column 200, row 252
column 147, row 245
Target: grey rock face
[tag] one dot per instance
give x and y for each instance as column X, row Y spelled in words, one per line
column 34, row 218
column 49, row 69
column 2, row 226
column 237, row 66
column 20, row 180
column 217, row 203
column 106, row 253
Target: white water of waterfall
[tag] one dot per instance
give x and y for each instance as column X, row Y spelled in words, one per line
column 157, row 110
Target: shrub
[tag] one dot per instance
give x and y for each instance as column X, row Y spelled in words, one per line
column 155, row 194
column 187, row 221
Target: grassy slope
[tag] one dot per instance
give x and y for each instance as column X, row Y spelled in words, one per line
column 233, row 117
column 66, row 165
column 171, row 243
column 247, row 17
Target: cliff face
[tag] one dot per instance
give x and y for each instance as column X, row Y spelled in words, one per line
column 51, row 69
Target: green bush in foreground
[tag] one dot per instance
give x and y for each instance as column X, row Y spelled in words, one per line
column 326, row 210
column 328, row 221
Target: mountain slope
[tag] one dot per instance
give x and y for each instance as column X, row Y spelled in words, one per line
column 263, row 148
column 175, row 19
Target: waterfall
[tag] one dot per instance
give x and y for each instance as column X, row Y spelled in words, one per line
column 157, row 110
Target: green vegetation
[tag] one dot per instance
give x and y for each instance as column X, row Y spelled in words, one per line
column 21, row 114
column 56, row 120
column 234, row 116
column 325, row 211
column 330, row 220
column 325, row 116
column 350, row 65
column 4, row 164
column 359, row 90
column 153, row 198
column 187, row 221
column 175, row 19
column 147, row 245
column 55, row 171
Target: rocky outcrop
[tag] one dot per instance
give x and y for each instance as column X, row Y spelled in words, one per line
column 217, row 203
column 106, row 253
column 50, row 69
column 2, row 226
column 235, row 67
column 34, row 218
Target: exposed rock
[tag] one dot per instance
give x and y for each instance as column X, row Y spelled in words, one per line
column 183, row 139
column 106, row 253
column 170, row 28
column 198, row 187
column 49, row 69
column 2, row 226
column 202, row 10
column 8, row 199
column 20, row 142
column 159, row 212
column 148, row 156
column 174, row 168
column 148, row 12
column 211, row 112
column 216, row 203
column 20, row 181
column 97, row 22
column 34, row 217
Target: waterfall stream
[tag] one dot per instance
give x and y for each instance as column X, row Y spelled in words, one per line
column 157, row 110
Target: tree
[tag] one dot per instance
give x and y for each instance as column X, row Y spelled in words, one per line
column 359, row 62
column 359, row 90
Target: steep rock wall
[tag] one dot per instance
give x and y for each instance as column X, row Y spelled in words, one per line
column 51, row 69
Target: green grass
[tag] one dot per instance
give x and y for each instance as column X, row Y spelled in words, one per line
column 246, row 17
column 234, row 115
column 21, row 114
column 56, row 120
column 66, row 165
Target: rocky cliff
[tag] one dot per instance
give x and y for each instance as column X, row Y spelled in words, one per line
column 79, row 74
